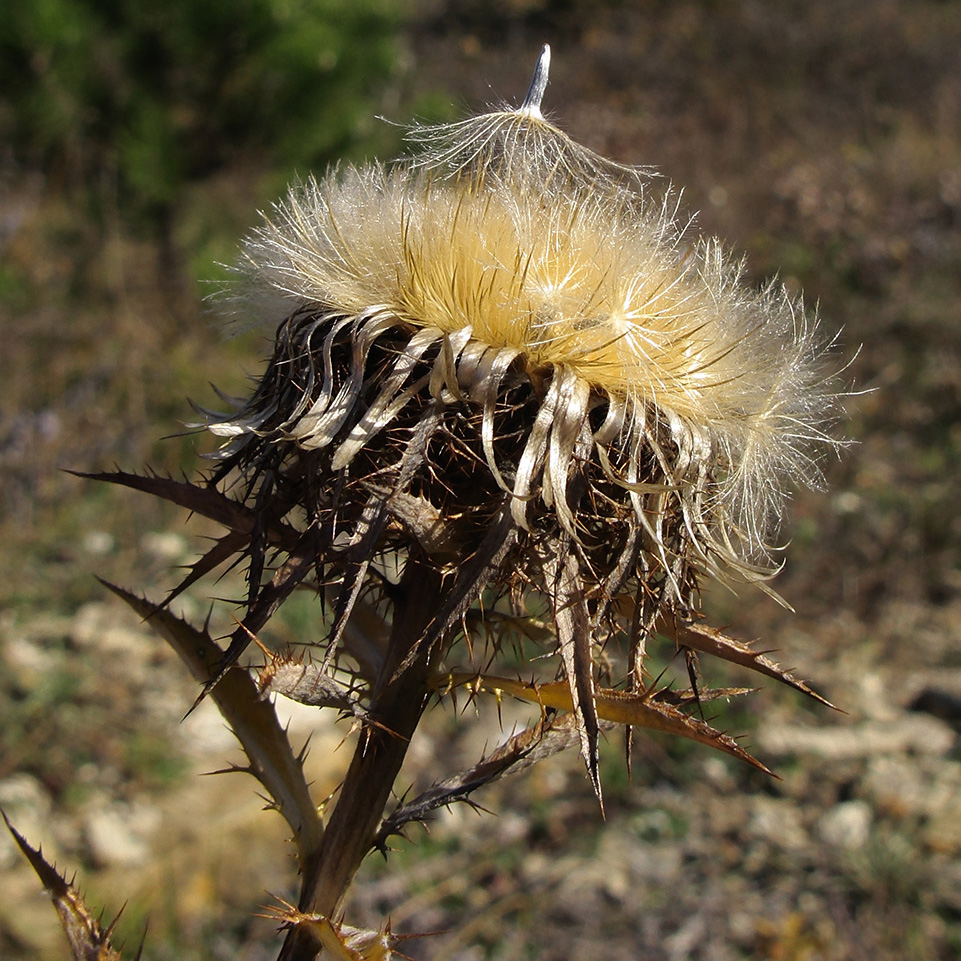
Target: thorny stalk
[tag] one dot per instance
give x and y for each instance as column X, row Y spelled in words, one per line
column 396, row 708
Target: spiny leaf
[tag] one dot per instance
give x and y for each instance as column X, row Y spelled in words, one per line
column 206, row 501
column 242, row 521
column 495, row 624
column 373, row 521
column 620, row 707
column 89, row 941
column 708, row 640
column 305, row 682
column 691, row 697
column 470, row 581
column 229, row 546
column 342, row 941
column 251, row 718
column 364, row 638
column 423, row 521
column 356, row 562
column 297, row 566
column 547, row 737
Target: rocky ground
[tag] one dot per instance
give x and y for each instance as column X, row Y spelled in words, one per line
column 855, row 853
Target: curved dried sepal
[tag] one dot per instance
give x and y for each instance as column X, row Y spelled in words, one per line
column 89, row 940
column 572, row 620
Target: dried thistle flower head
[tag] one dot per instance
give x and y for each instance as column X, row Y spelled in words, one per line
column 506, row 358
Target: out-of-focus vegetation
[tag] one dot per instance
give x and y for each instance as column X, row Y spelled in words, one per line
column 822, row 137
column 128, row 102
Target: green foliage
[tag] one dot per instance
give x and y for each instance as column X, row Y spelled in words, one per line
column 120, row 96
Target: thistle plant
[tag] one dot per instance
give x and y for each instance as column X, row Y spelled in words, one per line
column 511, row 402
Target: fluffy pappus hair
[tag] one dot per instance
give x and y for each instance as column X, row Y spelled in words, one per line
column 506, row 355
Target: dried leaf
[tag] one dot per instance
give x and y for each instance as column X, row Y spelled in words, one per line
column 542, row 740
column 343, row 942
column 620, row 707
column 690, row 698
column 305, row 682
column 549, row 736
column 423, row 521
column 251, row 718
column 89, row 941
column 708, row 640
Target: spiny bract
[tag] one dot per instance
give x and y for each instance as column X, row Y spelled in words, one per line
column 503, row 354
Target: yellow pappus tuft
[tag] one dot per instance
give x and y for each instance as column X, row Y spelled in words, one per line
column 506, row 346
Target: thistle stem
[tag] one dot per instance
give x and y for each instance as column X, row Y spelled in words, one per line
column 396, row 710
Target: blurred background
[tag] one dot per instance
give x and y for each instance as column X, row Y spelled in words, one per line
column 823, row 139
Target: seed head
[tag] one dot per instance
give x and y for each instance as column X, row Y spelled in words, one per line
column 507, row 355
